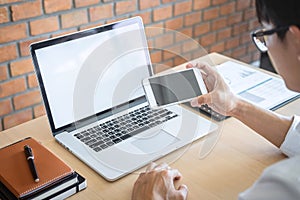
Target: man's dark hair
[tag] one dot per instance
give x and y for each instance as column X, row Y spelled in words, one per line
column 279, row 13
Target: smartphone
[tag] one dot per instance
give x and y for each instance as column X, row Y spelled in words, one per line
column 173, row 88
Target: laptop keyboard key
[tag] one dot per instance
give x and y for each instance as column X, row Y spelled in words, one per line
column 117, row 140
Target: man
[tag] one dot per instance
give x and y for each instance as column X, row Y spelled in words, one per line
column 280, row 37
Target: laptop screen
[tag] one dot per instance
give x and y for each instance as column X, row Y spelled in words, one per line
column 91, row 71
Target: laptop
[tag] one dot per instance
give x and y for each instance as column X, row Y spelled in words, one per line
column 90, row 82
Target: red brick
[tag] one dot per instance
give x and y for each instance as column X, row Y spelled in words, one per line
column 201, row 4
column 146, row 16
column 39, row 110
column 180, row 60
column 64, row 32
column 171, row 52
column 115, row 19
column 252, row 48
column 26, row 10
column 124, row 7
column 32, row 81
column 5, row 107
column 21, row 67
column 218, row 2
column 254, row 24
column 245, row 38
column 235, row 18
column 88, row 26
column 3, row 73
column 101, row 12
column 8, row 53
column 208, row 39
column 12, row 87
column 201, row 29
column 175, row 23
column 182, row 8
column 219, row 23
column 164, row 65
column 232, row 43
column 226, row 33
column 249, row 14
column 154, row 30
column 211, row 13
column 3, row 15
column 187, row 31
column 150, row 43
column 220, row 47
column 190, row 45
column 24, row 46
column 164, row 40
column 17, row 118
column 28, row 99
column 227, row 8
column 82, row 3
column 193, row 18
column 162, row 13
column 13, row 32
column 148, row 4
column 41, row 26
column 74, row 19
column 156, row 57
column 168, row 1
column 52, row 6
column 240, row 28
column 246, row 58
column 239, row 52
column 243, row 4
column 9, row 1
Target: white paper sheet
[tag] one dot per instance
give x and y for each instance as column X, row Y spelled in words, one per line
column 255, row 86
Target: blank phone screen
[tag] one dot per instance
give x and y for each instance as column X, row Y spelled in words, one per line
column 175, row 87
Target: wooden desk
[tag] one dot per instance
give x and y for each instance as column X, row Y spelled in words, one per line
column 236, row 161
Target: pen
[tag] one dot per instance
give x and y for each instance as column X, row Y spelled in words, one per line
column 30, row 159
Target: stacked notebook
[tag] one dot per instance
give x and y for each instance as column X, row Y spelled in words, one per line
column 57, row 180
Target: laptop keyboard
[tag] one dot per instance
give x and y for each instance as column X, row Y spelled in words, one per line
column 121, row 128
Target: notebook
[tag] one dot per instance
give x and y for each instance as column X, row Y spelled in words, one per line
column 91, row 84
column 15, row 174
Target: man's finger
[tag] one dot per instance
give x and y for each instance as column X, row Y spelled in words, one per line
column 182, row 191
column 174, row 174
column 203, row 99
column 151, row 166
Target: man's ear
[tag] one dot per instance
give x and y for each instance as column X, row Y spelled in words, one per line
column 295, row 31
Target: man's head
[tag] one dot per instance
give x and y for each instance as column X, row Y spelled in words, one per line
column 284, row 45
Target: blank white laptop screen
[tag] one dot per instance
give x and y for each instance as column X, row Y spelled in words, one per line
column 91, row 74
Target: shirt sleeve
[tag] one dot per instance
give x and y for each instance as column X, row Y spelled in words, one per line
column 279, row 181
column 291, row 143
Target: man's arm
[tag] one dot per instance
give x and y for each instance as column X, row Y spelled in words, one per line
column 268, row 124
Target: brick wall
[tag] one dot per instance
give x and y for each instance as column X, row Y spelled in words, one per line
column 218, row 25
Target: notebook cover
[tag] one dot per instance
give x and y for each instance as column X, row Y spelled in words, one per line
column 15, row 173
column 57, row 191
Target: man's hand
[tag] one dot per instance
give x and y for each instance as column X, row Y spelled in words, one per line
column 219, row 96
column 158, row 183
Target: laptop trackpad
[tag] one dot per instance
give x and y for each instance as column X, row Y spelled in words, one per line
column 155, row 142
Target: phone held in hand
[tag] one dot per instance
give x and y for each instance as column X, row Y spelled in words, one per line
column 173, row 88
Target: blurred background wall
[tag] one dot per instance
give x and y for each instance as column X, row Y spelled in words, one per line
column 218, row 25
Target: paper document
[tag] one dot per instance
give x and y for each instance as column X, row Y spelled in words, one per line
column 255, row 86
